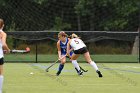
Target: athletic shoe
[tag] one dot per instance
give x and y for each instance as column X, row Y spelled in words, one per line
column 57, row 74
column 80, row 73
column 99, row 73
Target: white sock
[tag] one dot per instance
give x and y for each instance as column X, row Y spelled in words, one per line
column 76, row 65
column 93, row 64
column 1, row 83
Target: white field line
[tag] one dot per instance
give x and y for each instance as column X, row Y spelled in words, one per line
column 131, row 67
column 99, row 84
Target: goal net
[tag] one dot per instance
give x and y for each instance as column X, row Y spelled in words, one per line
column 104, row 46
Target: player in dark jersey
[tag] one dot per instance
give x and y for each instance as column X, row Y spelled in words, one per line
column 62, row 50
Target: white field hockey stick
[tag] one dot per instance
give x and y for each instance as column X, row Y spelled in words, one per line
column 17, row 51
column 47, row 69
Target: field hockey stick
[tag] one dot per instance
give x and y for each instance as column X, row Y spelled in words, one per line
column 83, row 69
column 47, row 69
column 17, row 51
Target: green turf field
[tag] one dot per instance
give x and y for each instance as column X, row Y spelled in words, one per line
column 118, row 78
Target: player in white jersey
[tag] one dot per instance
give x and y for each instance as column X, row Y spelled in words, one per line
column 79, row 47
column 77, row 43
column 4, row 46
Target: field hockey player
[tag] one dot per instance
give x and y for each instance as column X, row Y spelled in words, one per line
column 80, row 48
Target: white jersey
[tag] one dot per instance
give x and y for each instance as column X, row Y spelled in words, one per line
column 1, row 50
column 77, row 43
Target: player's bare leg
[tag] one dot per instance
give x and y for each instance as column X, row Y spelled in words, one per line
column 92, row 63
column 1, row 78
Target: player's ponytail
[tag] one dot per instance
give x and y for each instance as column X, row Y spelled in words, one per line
column 74, row 36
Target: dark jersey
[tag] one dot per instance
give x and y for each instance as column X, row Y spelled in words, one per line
column 63, row 47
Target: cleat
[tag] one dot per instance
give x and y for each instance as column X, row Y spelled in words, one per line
column 99, row 73
column 57, row 74
column 80, row 73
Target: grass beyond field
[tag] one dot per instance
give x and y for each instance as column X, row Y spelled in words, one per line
column 118, row 78
column 49, row 58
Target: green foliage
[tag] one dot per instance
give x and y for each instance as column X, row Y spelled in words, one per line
column 110, row 47
column 10, row 42
column 110, row 50
column 82, row 8
column 11, row 27
column 32, row 15
column 115, row 24
column 43, row 47
column 60, row 25
column 2, row 2
column 40, row 1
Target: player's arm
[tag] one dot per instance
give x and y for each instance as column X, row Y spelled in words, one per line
column 4, row 44
column 71, row 49
column 68, row 48
column 59, row 49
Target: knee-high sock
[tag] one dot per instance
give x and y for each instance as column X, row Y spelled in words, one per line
column 61, row 66
column 93, row 64
column 1, row 83
column 76, row 65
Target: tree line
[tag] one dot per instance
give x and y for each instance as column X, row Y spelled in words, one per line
column 70, row 15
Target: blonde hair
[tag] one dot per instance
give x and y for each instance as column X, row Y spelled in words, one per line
column 62, row 33
column 74, row 36
column 1, row 23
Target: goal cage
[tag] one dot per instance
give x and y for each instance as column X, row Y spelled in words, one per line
column 104, row 46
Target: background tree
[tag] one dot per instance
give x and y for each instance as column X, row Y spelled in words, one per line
column 77, row 15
